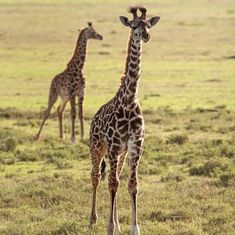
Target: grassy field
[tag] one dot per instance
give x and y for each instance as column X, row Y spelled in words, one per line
column 187, row 93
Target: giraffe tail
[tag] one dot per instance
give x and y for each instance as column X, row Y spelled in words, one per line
column 103, row 167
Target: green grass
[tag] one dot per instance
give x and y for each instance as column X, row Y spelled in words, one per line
column 187, row 94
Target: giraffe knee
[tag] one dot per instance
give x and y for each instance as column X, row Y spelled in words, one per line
column 60, row 114
column 80, row 99
column 113, row 184
column 73, row 114
column 95, row 177
column 95, row 181
column 46, row 113
column 132, row 187
column 80, row 115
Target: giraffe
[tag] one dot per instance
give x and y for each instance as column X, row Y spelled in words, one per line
column 71, row 83
column 117, row 129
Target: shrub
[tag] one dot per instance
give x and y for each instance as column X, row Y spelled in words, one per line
column 180, row 215
column 60, row 163
column 27, row 155
column 177, row 139
column 210, row 168
column 172, row 177
column 63, row 164
column 9, row 144
column 227, row 151
column 7, row 158
column 227, row 179
column 8, row 161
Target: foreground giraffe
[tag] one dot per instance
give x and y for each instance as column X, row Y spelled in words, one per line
column 71, row 83
column 118, row 127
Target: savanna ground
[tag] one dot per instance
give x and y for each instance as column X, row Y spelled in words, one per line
column 187, row 93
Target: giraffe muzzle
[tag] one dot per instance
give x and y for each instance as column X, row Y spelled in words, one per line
column 99, row 37
column 146, row 37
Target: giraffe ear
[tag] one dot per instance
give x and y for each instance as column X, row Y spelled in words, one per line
column 153, row 21
column 124, row 20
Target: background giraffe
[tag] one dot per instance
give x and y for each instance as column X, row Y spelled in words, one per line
column 118, row 127
column 71, row 83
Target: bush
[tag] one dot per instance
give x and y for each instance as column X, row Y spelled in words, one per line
column 227, row 179
column 172, row 177
column 177, row 139
column 27, row 155
column 60, row 163
column 227, row 151
column 210, row 168
column 8, row 161
column 7, row 158
column 180, row 215
column 9, row 144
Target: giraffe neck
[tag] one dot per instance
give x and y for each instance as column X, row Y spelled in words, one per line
column 78, row 59
column 130, row 80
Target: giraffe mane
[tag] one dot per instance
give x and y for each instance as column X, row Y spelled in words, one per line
column 122, row 80
column 132, row 10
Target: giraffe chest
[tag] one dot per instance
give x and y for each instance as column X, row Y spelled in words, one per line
column 123, row 123
column 116, row 125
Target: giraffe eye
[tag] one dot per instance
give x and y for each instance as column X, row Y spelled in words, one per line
column 134, row 25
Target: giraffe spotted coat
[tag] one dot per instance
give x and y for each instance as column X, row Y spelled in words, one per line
column 118, row 127
column 71, row 84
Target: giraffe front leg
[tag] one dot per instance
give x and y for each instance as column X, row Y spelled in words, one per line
column 97, row 150
column 113, row 187
column 73, row 117
column 81, row 117
column 121, row 161
column 135, row 152
column 95, row 178
column 116, row 219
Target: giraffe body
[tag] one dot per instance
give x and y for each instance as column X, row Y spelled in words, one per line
column 71, row 84
column 117, row 129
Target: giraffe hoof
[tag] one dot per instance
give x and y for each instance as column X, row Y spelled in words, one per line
column 62, row 138
column 135, row 230
column 93, row 219
column 112, row 229
column 117, row 229
column 36, row 137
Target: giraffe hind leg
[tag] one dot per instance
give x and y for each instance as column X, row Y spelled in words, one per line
column 73, row 118
column 135, row 151
column 81, row 117
column 112, row 227
column 51, row 101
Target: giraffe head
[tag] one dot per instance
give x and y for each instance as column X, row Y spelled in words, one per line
column 139, row 24
column 91, row 33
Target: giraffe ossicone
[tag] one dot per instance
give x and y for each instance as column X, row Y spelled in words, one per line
column 117, row 129
column 70, row 84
